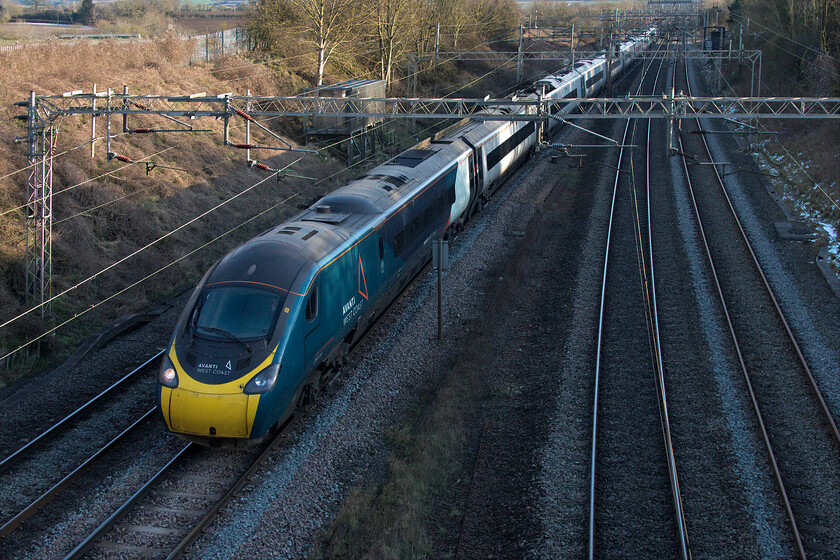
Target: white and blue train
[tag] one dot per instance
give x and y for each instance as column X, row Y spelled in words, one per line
column 271, row 320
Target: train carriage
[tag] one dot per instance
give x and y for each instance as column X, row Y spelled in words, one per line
column 270, row 321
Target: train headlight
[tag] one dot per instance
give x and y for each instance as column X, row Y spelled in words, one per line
column 167, row 376
column 263, row 381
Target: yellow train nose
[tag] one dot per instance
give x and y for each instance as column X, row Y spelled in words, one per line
column 220, row 415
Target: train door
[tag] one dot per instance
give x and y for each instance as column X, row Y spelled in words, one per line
column 311, row 319
column 478, row 168
column 475, row 186
column 475, row 177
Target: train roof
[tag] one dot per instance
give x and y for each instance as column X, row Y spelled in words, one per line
column 263, row 261
column 384, row 186
column 317, row 232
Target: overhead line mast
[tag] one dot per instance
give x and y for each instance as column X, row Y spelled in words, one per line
column 181, row 110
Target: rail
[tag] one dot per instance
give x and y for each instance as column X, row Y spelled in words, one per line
column 774, row 461
column 673, row 479
column 6, row 463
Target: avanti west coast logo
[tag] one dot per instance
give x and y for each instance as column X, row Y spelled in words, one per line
column 206, row 367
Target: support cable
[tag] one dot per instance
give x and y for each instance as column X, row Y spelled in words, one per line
column 783, row 147
column 85, row 182
column 141, row 249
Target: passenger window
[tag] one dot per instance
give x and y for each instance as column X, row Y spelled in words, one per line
column 413, row 230
column 381, row 248
column 428, row 216
column 312, row 303
column 399, row 242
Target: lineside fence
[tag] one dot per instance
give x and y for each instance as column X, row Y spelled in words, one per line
column 211, row 46
column 208, row 47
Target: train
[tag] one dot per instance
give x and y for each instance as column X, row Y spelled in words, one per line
column 271, row 322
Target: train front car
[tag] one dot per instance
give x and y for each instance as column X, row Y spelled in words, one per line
column 224, row 379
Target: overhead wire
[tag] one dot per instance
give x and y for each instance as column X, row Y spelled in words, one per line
column 67, row 151
column 785, row 37
column 140, row 250
column 134, row 253
column 179, row 259
column 148, row 276
column 799, row 164
column 86, row 181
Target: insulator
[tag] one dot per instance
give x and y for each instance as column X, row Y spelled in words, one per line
column 123, row 158
column 141, row 130
column 262, row 166
column 22, row 117
column 22, row 103
column 244, row 146
column 144, row 107
column 243, row 114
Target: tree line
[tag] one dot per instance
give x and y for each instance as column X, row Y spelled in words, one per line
column 798, row 38
column 376, row 34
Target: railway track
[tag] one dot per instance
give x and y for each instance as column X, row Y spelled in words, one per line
column 55, row 465
column 798, row 431
column 67, row 422
column 170, row 511
column 635, row 505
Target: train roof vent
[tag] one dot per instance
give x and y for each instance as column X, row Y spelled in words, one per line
column 310, row 235
column 411, row 158
column 326, row 217
column 289, row 230
column 396, row 181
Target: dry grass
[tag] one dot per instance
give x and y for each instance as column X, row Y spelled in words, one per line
column 120, row 208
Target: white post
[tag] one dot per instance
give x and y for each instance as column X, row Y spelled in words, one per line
column 437, row 42
column 93, row 125
column 519, row 55
column 248, row 127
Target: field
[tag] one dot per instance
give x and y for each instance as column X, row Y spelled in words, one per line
column 11, row 32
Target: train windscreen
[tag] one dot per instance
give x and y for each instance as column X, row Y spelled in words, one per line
column 242, row 312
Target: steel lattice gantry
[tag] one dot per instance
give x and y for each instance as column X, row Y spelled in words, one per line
column 228, row 106
column 180, row 111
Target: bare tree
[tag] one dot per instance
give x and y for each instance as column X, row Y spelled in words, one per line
column 328, row 25
column 455, row 16
column 392, row 20
column 268, row 21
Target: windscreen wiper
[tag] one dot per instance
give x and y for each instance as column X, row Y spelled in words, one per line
column 227, row 334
